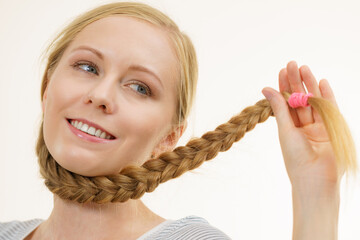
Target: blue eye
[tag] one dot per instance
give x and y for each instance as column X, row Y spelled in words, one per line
column 87, row 67
column 141, row 89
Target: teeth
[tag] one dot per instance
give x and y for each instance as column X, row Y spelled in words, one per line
column 98, row 133
column 84, row 128
column 103, row 135
column 90, row 130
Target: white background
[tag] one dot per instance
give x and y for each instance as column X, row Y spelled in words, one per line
column 241, row 47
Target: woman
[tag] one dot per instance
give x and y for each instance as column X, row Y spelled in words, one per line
column 117, row 90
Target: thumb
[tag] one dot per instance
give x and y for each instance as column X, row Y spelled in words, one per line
column 279, row 107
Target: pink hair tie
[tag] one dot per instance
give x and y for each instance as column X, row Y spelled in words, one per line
column 299, row 99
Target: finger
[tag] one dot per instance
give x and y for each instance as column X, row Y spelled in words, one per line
column 327, row 92
column 284, row 86
column 312, row 87
column 296, row 85
column 280, row 109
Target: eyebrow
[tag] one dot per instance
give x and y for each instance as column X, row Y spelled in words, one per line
column 134, row 67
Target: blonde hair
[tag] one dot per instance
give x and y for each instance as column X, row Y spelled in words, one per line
column 133, row 181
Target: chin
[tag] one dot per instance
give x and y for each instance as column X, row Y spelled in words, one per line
column 81, row 164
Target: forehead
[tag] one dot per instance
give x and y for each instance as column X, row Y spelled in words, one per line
column 127, row 40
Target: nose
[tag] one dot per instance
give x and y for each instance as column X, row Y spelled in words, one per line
column 102, row 97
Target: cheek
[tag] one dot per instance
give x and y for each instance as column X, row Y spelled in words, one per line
column 144, row 127
column 62, row 93
column 61, row 96
column 145, row 123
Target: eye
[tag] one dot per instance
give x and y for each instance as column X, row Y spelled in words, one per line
column 87, row 67
column 140, row 88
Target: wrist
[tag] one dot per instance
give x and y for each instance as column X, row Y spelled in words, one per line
column 308, row 199
column 315, row 188
column 315, row 210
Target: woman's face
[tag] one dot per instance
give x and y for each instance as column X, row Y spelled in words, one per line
column 119, row 77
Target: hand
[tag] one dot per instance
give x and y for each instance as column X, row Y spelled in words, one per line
column 306, row 148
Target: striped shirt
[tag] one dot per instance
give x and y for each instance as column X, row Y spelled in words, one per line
column 189, row 228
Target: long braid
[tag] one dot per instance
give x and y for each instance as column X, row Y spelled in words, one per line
column 133, row 181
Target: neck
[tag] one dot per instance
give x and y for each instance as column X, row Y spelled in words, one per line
column 72, row 220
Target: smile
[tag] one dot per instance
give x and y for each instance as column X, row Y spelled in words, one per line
column 92, row 133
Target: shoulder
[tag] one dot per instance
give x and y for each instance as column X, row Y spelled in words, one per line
column 15, row 230
column 189, row 228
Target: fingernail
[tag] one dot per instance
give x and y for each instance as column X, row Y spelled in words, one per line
column 267, row 94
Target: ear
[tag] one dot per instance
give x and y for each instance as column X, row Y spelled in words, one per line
column 169, row 142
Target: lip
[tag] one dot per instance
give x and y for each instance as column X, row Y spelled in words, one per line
column 91, row 124
column 86, row 136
